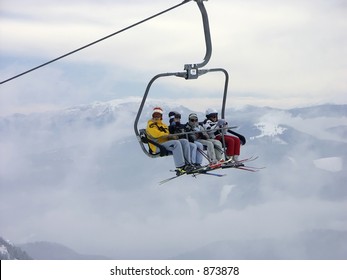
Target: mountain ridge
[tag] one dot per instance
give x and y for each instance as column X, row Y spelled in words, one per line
column 43, row 250
column 8, row 251
column 311, row 245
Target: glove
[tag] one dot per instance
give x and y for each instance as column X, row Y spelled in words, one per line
column 172, row 137
column 204, row 136
column 192, row 138
column 221, row 122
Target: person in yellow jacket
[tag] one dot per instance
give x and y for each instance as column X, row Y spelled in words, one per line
column 158, row 131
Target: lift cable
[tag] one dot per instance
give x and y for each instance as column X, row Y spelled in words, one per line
column 97, row 41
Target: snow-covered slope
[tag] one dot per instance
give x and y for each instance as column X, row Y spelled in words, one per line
column 8, row 251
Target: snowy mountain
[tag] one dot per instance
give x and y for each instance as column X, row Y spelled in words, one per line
column 9, row 251
column 313, row 245
column 54, row 251
column 41, row 251
column 78, row 177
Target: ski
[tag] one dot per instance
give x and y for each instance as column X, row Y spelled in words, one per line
column 247, row 168
column 243, row 166
column 252, row 158
column 225, row 164
column 179, row 175
column 204, row 170
column 169, row 179
column 210, row 173
column 249, row 159
column 254, row 167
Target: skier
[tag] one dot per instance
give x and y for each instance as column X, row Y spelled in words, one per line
column 158, row 131
column 232, row 143
column 214, row 147
column 192, row 155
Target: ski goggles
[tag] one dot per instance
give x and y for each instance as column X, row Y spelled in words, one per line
column 214, row 115
column 157, row 116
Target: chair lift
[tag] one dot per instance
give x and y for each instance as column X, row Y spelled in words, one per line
column 191, row 71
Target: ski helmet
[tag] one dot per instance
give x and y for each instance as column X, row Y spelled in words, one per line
column 211, row 111
column 174, row 114
column 193, row 116
column 193, row 119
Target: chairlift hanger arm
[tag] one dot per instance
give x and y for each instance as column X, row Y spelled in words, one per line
column 192, row 69
column 207, row 33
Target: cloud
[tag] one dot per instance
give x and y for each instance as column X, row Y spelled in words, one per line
column 333, row 164
column 84, row 182
column 224, row 194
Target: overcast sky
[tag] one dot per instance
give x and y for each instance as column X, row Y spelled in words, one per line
column 278, row 53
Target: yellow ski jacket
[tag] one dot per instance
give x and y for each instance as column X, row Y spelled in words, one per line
column 157, row 131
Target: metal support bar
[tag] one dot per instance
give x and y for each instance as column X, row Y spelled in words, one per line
column 192, row 69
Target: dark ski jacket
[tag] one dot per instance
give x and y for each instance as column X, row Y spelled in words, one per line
column 200, row 132
column 177, row 127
